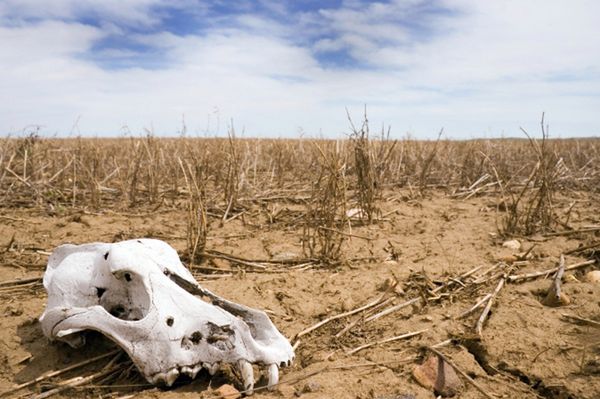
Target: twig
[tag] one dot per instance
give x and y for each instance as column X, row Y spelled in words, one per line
column 488, row 306
column 570, row 232
column 588, row 322
column 459, row 371
column 555, row 288
column 417, row 299
column 517, row 277
column 386, row 340
column 583, row 248
column 58, row 372
column 362, row 317
column 345, row 234
column 20, row 281
column 339, row 316
column 234, row 259
column 392, row 309
column 75, row 382
column 475, row 307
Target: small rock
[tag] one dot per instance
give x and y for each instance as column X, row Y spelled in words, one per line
column 227, row 391
column 552, row 301
column 437, row 375
column 512, row 244
column 13, row 310
column 310, row 387
column 354, row 213
column 592, row 277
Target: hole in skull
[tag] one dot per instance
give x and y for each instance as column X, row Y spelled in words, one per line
column 106, row 256
column 196, row 337
column 170, row 321
column 117, row 311
column 222, row 337
column 124, row 296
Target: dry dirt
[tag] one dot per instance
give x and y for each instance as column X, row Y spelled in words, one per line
column 528, row 348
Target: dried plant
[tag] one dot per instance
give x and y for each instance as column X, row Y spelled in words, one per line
column 65, row 174
column 325, row 217
column 531, row 210
column 368, row 185
column 197, row 226
column 425, row 167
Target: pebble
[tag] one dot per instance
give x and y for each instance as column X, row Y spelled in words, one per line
column 592, row 277
column 552, row 301
column 227, row 391
column 427, row 376
column 512, row 244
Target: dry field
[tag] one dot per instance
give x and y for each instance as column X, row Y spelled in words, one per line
column 344, row 243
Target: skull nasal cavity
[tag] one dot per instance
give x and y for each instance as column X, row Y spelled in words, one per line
column 170, row 321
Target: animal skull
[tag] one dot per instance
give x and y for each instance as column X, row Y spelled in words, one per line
column 139, row 294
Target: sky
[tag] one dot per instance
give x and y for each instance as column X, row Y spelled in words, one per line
column 299, row 68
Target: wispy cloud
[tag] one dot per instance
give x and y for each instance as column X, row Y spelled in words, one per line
column 476, row 68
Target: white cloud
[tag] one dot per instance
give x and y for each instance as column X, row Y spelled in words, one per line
column 486, row 70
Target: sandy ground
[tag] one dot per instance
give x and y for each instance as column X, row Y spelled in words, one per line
column 528, row 348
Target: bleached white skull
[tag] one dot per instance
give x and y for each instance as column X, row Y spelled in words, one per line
column 139, row 294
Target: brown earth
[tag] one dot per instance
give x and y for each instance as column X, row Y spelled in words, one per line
column 528, row 349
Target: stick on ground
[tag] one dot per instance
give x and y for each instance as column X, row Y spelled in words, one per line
column 517, row 277
column 55, row 373
column 488, row 307
column 386, row 340
column 339, row 316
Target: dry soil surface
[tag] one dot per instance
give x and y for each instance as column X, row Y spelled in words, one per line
column 526, row 350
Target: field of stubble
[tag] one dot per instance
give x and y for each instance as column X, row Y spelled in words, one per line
column 315, row 231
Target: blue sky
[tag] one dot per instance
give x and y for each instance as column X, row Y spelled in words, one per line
column 284, row 69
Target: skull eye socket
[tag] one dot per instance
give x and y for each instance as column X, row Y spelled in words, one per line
column 127, row 276
column 170, row 321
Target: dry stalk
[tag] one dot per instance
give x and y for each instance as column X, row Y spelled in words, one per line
column 197, row 226
column 532, row 210
column 232, row 177
column 426, row 165
column 368, row 186
column 325, row 215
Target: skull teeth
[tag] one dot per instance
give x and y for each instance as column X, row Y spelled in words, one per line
column 171, row 376
column 247, row 373
column 186, row 370
column 272, row 376
column 196, row 370
column 211, row 367
column 167, row 378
